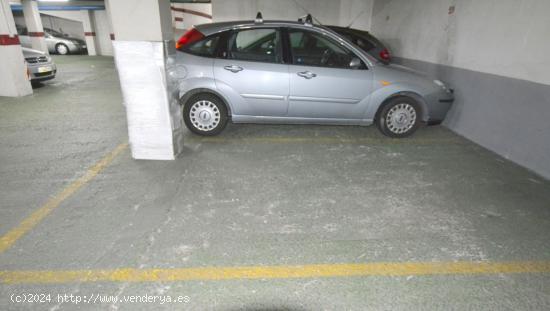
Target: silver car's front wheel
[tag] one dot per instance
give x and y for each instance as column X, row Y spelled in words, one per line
column 399, row 117
column 61, row 49
column 205, row 114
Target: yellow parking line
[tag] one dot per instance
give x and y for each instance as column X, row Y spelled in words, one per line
column 8, row 239
column 275, row 272
column 325, row 140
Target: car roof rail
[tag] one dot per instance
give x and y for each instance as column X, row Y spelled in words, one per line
column 306, row 20
column 259, row 18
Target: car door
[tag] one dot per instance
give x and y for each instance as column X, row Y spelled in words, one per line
column 252, row 73
column 327, row 80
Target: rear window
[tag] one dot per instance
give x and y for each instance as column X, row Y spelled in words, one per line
column 206, row 47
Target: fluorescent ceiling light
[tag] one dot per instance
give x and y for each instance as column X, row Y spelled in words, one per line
column 53, row 0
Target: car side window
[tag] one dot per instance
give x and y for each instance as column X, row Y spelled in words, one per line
column 259, row 44
column 363, row 43
column 360, row 42
column 315, row 49
column 205, row 47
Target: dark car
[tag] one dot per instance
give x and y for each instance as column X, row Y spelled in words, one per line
column 365, row 41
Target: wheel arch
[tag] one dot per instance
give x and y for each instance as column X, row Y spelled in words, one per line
column 185, row 97
column 410, row 94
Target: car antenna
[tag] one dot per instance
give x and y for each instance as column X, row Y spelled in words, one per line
column 259, row 18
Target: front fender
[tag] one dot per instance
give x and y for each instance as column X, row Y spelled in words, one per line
column 379, row 96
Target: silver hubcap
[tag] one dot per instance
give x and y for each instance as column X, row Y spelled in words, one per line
column 61, row 49
column 204, row 115
column 401, row 118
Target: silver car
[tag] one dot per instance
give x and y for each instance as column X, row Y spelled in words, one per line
column 297, row 73
column 41, row 66
column 56, row 41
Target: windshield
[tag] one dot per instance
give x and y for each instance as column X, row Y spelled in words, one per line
column 55, row 33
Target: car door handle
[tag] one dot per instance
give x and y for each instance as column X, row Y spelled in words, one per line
column 233, row 68
column 307, row 74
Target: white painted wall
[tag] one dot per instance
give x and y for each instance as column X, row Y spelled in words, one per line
column 66, row 20
column 504, row 37
column 71, row 15
column 356, row 13
column 191, row 19
column 330, row 12
column 103, row 33
column 149, row 29
column 71, row 26
column 60, row 22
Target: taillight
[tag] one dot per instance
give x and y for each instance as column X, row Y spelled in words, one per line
column 385, row 54
column 192, row 35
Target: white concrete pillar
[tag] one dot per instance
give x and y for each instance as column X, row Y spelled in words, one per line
column 14, row 80
column 143, row 55
column 89, row 31
column 177, row 14
column 110, row 24
column 34, row 25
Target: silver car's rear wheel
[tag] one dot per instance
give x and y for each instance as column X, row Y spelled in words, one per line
column 205, row 114
column 399, row 117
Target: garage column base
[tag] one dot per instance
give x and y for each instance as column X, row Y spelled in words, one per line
column 153, row 111
column 13, row 77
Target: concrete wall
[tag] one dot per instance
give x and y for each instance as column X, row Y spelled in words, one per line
column 495, row 54
column 189, row 15
column 330, row 12
column 142, row 10
column 71, row 27
column 356, row 13
column 103, row 33
column 71, row 23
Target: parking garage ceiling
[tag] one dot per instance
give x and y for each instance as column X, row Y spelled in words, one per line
column 48, row 5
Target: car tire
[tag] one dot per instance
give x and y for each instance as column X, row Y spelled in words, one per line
column 205, row 114
column 61, row 49
column 399, row 117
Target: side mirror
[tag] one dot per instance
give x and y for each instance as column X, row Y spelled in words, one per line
column 355, row 63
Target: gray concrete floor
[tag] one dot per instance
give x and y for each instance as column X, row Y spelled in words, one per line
column 263, row 195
